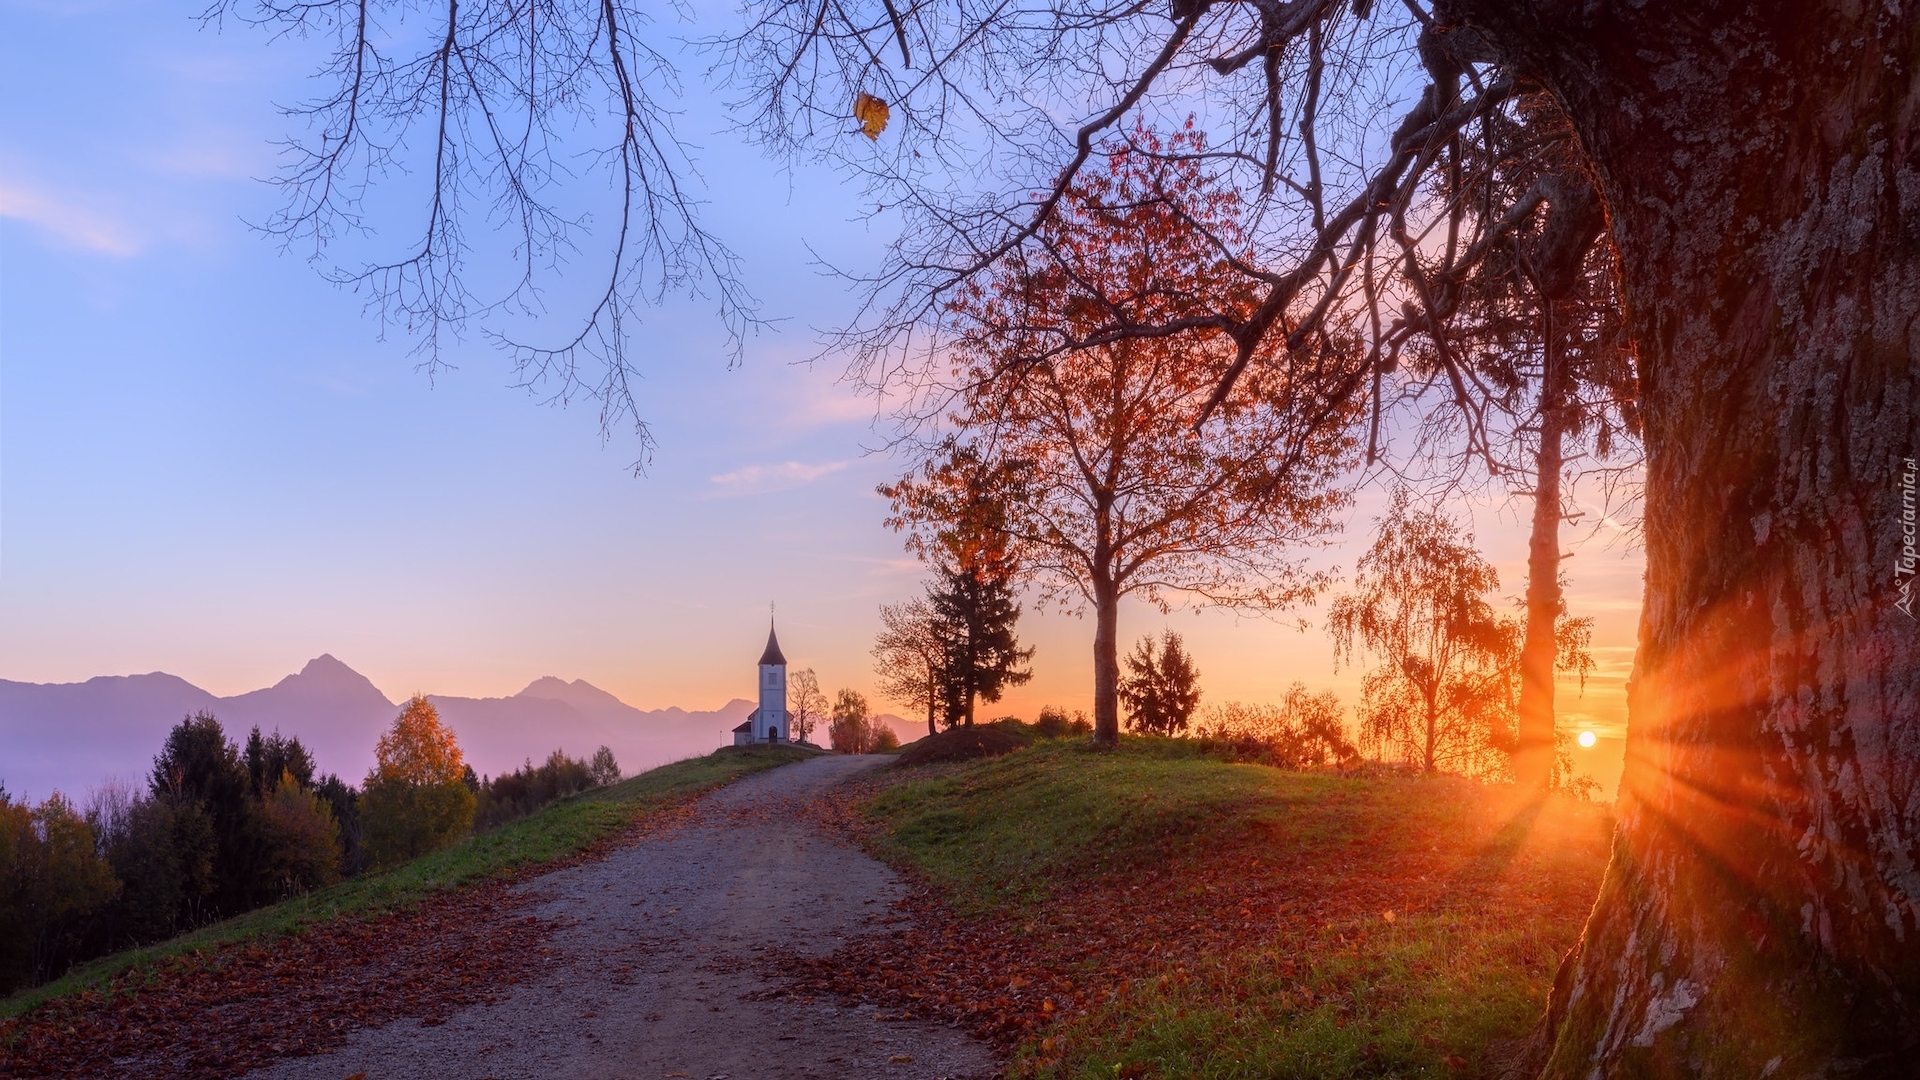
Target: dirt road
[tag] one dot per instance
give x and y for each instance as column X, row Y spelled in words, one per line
column 653, row 972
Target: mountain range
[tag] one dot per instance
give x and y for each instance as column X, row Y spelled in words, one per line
column 74, row 736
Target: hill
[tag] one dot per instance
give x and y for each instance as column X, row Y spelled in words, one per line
column 1149, row 912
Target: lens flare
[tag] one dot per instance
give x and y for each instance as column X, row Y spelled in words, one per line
column 1586, row 739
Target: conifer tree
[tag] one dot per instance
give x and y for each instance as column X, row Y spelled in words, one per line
column 978, row 611
column 1162, row 689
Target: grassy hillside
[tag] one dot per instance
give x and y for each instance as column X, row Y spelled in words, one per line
column 1149, row 912
column 561, row 831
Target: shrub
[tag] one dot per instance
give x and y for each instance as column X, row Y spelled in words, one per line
column 1056, row 724
column 414, row 799
column 883, row 739
column 1304, row 729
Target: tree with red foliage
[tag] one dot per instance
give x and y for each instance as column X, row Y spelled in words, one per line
column 1085, row 462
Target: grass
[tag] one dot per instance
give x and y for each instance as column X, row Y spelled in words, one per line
column 1253, row 922
column 556, row 832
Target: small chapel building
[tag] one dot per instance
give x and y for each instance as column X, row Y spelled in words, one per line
column 768, row 724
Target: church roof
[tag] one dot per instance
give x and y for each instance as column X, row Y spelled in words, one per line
column 772, row 655
column 748, row 726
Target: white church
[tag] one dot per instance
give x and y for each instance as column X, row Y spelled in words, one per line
column 768, row 723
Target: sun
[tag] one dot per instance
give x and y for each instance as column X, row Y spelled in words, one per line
column 1587, row 740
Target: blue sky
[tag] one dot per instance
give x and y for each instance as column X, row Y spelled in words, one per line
column 211, row 464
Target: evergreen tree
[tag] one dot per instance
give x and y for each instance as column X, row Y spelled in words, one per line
column 977, row 611
column 1162, row 690
column 200, row 773
column 275, row 755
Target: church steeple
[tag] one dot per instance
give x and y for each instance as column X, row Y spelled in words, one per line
column 772, row 655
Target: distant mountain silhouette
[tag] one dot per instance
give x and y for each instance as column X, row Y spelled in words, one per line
column 500, row 734
column 72, row 736
column 337, row 713
column 75, row 736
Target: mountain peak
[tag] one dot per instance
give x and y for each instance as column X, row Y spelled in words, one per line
column 324, row 676
column 579, row 693
column 325, row 664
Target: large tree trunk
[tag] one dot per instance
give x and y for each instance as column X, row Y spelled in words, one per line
column 1761, row 914
column 1533, row 754
column 1106, row 664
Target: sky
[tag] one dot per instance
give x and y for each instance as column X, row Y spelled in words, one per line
column 213, row 463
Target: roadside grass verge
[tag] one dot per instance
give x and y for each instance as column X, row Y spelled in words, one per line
column 1149, row 912
column 560, row 831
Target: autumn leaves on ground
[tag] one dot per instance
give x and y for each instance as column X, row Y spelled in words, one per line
column 1145, row 911
column 1152, row 912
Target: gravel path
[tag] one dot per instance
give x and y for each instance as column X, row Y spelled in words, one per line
column 652, row 969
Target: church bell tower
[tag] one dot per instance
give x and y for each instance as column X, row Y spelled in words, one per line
column 770, row 720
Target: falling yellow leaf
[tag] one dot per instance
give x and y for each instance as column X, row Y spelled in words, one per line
column 872, row 114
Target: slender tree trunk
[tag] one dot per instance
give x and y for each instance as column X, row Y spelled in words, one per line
column 1106, row 664
column 1533, row 756
column 932, row 698
column 1761, row 913
column 1433, row 721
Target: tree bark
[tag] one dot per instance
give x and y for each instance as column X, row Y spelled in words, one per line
column 1533, row 753
column 1106, row 664
column 1761, row 913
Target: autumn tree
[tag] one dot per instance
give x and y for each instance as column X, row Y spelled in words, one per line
column 851, row 729
column 414, row 800
column 1443, row 693
column 1161, row 689
column 604, row 768
column 909, row 656
column 51, row 880
column 1104, row 482
column 806, row 703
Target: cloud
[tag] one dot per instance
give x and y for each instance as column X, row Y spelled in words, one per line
column 759, row 479
column 66, row 220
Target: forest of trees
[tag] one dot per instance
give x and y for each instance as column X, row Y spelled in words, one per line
column 223, row 827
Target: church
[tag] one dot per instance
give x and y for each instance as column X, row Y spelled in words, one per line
column 768, row 723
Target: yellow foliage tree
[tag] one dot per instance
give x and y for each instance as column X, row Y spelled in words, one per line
column 417, row 799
